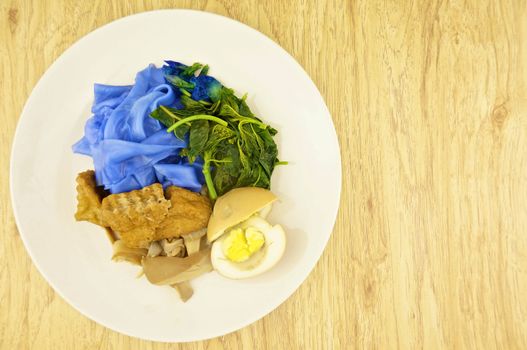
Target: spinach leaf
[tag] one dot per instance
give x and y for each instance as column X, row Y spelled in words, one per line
column 244, row 110
column 199, row 134
column 182, row 131
column 223, row 181
column 163, row 117
column 168, row 116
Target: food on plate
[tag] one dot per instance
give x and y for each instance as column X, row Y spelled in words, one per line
column 136, row 214
column 151, row 224
column 143, row 216
column 189, row 212
column 184, row 290
column 168, row 270
column 122, row 252
column 131, row 150
column 236, row 148
column 89, row 199
column 245, row 244
column 182, row 171
column 236, row 206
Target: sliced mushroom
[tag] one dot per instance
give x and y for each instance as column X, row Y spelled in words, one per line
column 123, row 253
column 162, row 270
column 192, row 241
column 154, row 249
column 184, row 289
column 172, row 247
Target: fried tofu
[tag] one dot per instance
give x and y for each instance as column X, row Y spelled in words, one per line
column 189, row 212
column 89, row 198
column 142, row 216
column 135, row 215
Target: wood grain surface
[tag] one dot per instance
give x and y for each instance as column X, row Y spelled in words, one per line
column 429, row 100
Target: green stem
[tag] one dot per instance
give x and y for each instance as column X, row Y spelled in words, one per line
column 205, row 103
column 245, row 119
column 185, row 92
column 167, row 111
column 208, row 180
column 254, row 121
column 197, row 117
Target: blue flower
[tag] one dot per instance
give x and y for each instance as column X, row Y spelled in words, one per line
column 205, row 88
column 173, row 68
column 201, row 87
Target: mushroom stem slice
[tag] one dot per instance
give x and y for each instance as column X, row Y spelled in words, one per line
column 192, row 241
column 121, row 252
column 163, row 270
column 172, row 247
column 184, row 290
column 154, row 249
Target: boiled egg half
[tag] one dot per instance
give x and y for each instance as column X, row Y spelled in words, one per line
column 244, row 243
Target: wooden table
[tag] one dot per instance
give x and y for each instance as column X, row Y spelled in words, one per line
column 429, row 99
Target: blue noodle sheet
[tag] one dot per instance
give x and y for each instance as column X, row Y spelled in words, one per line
column 131, row 150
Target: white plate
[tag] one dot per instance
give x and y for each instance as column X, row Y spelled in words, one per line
column 74, row 257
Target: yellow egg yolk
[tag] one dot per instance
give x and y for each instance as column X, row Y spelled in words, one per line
column 240, row 245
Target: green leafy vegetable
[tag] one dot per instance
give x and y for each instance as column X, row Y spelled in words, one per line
column 190, row 71
column 199, row 134
column 180, row 83
column 197, row 117
column 204, row 70
column 237, row 148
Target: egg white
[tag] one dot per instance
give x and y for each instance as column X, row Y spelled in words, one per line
column 265, row 211
column 261, row 261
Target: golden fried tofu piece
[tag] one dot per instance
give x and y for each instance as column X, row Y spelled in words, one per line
column 189, row 212
column 136, row 214
column 89, row 198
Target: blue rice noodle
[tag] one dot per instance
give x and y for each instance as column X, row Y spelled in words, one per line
column 130, row 149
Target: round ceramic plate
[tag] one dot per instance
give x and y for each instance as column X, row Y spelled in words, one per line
column 74, row 257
